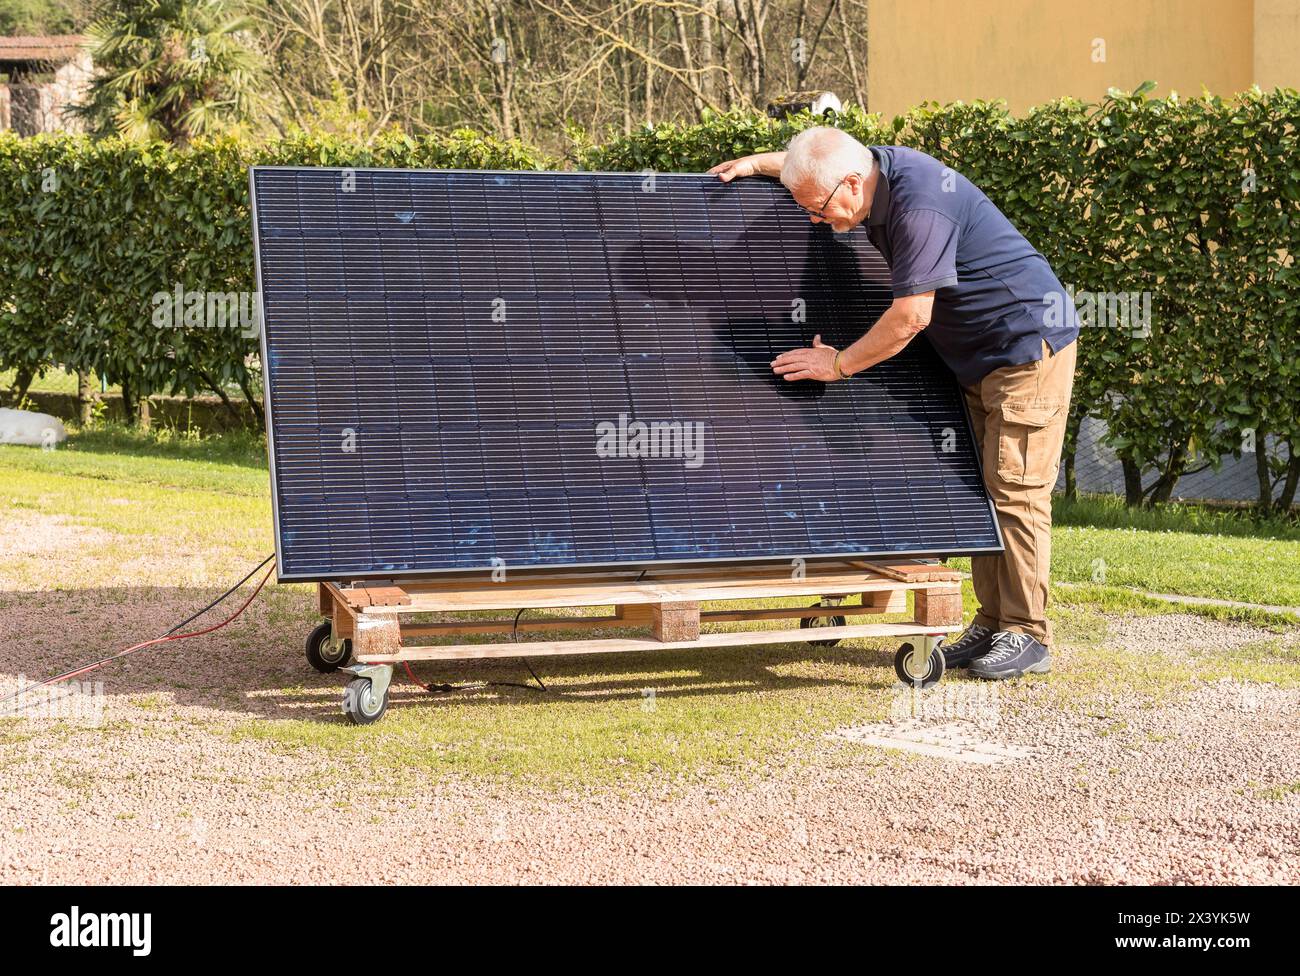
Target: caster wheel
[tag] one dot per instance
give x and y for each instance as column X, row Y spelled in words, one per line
column 324, row 653
column 361, row 705
column 812, row 623
column 912, row 670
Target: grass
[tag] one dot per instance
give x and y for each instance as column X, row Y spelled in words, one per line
column 129, row 498
column 1183, row 549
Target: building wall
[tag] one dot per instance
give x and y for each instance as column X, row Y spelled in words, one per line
column 1031, row 51
column 1277, row 43
column 29, row 109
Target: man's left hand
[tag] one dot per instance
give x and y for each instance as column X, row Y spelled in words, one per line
column 817, row 363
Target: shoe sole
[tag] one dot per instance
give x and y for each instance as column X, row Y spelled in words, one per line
column 1041, row 667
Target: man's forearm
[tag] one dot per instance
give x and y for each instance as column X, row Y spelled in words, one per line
column 888, row 337
column 769, row 164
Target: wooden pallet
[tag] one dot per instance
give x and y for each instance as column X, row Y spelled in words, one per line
column 670, row 603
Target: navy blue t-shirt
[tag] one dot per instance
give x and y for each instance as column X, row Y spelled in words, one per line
column 995, row 298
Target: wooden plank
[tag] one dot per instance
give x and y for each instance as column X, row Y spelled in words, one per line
column 616, row 645
column 633, row 615
column 886, row 601
column 449, row 628
column 387, row 596
column 344, row 615
column 912, row 570
column 794, row 613
column 501, row 626
column 545, row 596
column 529, row 577
column 357, row 598
column 325, row 600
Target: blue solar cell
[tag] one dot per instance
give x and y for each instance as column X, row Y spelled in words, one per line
column 469, row 369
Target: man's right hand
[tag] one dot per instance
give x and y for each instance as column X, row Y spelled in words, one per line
column 760, row 164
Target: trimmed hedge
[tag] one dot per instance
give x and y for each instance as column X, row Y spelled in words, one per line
column 1193, row 203
column 91, row 230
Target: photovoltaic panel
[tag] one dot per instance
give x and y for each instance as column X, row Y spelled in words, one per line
column 456, row 365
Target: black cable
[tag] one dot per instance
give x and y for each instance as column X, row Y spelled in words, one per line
column 137, row 647
column 514, row 636
column 443, row 689
column 188, row 620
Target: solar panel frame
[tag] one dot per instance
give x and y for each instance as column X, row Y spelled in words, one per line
column 542, row 569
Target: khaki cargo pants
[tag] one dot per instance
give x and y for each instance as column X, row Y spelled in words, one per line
column 1019, row 415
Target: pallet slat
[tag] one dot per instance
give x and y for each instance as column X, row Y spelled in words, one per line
column 504, row 597
column 621, row 645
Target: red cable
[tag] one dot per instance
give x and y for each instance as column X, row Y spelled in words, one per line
column 411, row 673
column 149, row 643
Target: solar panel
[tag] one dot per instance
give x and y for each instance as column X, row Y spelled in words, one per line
column 467, row 370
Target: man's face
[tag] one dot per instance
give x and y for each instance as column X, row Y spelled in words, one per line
column 843, row 207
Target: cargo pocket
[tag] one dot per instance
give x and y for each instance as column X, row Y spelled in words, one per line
column 1027, row 443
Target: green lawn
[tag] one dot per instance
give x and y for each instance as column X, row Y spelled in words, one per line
column 1183, row 550
column 136, row 501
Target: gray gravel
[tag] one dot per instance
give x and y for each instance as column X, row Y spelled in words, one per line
column 1199, row 790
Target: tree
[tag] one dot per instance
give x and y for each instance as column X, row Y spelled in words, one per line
column 18, row 17
column 171, row 69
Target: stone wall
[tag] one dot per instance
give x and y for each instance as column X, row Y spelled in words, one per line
column 29, row 109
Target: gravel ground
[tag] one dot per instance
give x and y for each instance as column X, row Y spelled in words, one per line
column 1197, row 787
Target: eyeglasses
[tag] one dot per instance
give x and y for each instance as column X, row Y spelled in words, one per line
column 820, row 212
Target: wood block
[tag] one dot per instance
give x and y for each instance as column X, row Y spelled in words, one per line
column 633, row 614
column 886, row 601
column 675, row 621
column 938, row 606
column 388, row 596
column 376, row 634
column 344, row 624
column 326, row 600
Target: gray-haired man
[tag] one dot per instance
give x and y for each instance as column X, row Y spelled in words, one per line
column 995, row 312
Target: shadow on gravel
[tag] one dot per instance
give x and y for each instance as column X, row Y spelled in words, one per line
column 256, row 664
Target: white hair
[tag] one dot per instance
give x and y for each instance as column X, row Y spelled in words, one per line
column 820, row 157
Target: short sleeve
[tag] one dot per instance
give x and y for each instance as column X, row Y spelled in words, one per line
column 924, row 245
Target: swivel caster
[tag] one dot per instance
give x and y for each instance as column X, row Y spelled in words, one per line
column 916, row 668
column 324, row 653
column 365, row 699
column 811, row 623
column 360, row 703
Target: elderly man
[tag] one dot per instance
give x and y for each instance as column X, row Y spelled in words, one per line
column 993, row 310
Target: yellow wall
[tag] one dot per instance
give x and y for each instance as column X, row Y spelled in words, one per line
column 1030, row 51
column 1277, row 43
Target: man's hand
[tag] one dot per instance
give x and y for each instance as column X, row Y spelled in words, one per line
column 761, row 164
column 817, row 363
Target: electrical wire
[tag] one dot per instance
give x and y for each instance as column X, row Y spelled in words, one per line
column 171, row 635
column 443, row 689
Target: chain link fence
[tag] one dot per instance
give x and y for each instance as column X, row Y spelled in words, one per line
column 1234, row 481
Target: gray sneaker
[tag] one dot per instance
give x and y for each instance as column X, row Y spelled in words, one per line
column 971, row 643
column 1012, row 655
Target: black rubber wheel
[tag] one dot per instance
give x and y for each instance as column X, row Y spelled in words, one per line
column 360, row 704
column 812, row 623
column 910, row 671
column 323, row 653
